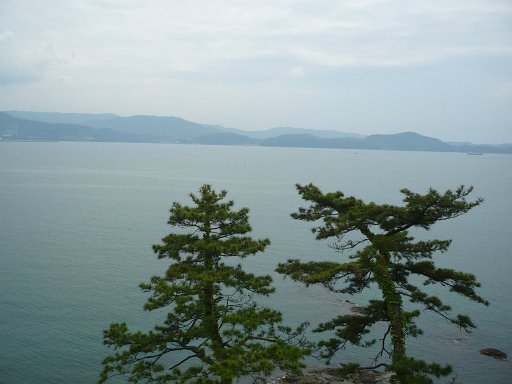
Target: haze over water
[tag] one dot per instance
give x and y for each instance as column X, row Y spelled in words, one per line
column 78, row 221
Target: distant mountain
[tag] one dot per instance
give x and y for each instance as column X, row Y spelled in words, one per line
column 279, row 131
column 138, row 128
column 18, row 125
column 13, row 128
column 157, row 128
column 411, row 141
column 407, row 141
column 402, row 141
column 298, row 140
column 225, row 138
column 63, row 118
column 164, row 128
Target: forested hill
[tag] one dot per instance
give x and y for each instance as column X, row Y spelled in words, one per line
column 39, row 126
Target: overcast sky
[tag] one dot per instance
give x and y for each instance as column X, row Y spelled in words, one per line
column 441, row 68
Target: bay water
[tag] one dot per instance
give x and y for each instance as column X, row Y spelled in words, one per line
column 77, row 221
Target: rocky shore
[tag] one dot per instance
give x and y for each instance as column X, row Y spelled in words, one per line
column 495, row 353
column 335, row 376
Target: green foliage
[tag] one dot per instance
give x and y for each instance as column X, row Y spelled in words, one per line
column 413, row 371
column 214, row 331
column 386, row 255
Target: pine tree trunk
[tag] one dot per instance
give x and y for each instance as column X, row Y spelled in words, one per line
column 397, row 333
column 393, row 302
column 210, row 311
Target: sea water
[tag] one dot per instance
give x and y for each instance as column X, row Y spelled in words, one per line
column 77, row 221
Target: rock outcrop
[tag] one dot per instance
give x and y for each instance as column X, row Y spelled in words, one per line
column 333, row 376
column 493, row 352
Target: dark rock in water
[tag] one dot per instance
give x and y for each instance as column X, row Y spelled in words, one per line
column 358, row 309
column 493, row 352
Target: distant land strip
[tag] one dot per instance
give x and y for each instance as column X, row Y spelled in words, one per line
column 52, row 126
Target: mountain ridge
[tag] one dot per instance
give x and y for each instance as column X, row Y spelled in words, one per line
column 126, row 123
column 15, row 126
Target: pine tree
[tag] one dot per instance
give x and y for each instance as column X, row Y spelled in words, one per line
column 214, row 331
column 384, row 254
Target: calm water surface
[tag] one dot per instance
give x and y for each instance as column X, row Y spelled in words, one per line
column 78, row 221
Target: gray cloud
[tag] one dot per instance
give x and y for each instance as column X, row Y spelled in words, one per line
column 192, row 35
column 5, row 35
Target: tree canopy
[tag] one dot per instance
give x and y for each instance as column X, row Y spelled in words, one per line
column 214, row 331
column 385, row 254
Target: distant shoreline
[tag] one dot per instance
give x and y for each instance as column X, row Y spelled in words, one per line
column 51, row 127
column 250, row 145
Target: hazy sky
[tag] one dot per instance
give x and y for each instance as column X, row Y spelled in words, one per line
column 442, row 68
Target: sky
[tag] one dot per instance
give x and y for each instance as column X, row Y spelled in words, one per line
column 442, row 68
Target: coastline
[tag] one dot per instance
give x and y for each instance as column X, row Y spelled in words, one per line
column 331, row 375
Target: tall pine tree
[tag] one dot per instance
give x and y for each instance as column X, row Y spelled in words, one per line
column 214, row 331
column 385, row 255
